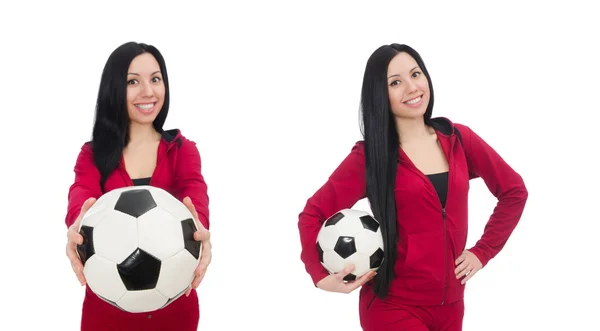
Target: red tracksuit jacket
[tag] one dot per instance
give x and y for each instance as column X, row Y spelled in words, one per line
column 430, row 238
column 178, row 172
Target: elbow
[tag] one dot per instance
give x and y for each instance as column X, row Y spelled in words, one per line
column 523, row 192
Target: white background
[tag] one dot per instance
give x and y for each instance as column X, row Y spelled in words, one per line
column 270, row 93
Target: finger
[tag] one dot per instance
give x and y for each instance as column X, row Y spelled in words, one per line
column 461, row 267
column 204, row 262
column 460, row 259
column 187, row 201
column 76, row 265
column 348, row 269
column 86, row 206
column 72, row 254
column 360, row 281
column 464, row 281
column 464, row 272
column 198, row 279
column 74, row 237
column 189, row 290
column 202, row 235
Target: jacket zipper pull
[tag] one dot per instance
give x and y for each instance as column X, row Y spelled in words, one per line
column 444, row 212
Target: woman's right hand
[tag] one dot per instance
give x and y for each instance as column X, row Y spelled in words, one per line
column 74, row 239
column 335, row 282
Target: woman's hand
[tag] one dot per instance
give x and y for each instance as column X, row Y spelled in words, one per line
column 74, row 239
column 467, row 264
column 336, row 283
column 202, row 235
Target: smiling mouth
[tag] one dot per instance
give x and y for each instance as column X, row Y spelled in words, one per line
column 145, row 106
column 413, row 101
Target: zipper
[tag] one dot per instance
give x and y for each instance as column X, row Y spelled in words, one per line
column 445, row 253
column 416, row 170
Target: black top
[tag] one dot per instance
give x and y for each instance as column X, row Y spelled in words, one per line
column 141, row 181
column 440, row 182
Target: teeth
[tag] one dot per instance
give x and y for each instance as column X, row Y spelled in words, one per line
column 413, row 101
column 145, row 106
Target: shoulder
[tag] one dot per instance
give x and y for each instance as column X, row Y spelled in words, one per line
column 87, row 149
column 359, row 146
column 462, row 128
column 356, row 153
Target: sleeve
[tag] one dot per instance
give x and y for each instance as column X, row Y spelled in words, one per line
column 345, row 186
column 86, row 184
column 505, row 184
column 189, row 180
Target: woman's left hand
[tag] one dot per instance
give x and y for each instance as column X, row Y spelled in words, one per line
column 467, row 265
column 202, row 235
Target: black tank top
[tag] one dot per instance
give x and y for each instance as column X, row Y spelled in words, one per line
column 440, row 182
column 141, row 181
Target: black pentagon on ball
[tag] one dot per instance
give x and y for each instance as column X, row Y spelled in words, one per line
column 190, row 244
column 320, row 250
column 350, row 277
column 135, row 202
column 369, row 223
column 345, row 246
column 375, row 259
column 334, row 219
column 139, row 271
column 86, row 250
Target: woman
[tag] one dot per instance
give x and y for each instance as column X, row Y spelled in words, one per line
column 415, row 172
column 130, row 147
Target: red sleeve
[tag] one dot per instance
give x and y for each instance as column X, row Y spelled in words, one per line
column 189, row 180
column 504, row 183
column 345, row 186
column 86, row 184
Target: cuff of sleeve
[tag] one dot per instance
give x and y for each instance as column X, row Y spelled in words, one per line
column 317, row 272
column 480, row 255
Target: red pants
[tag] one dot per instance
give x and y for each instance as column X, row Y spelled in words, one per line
column 383, row 315
column 181, row 315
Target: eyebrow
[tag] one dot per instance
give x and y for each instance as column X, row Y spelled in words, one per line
column 417, row 67
column 136, row 74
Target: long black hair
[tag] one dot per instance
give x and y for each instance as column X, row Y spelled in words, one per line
column 381, row 144
column 111, row 126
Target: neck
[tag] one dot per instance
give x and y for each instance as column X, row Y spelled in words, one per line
column 142, row 133
column 410, row 129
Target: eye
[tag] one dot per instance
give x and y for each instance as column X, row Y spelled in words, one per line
column 156, row 79
column 416, row 74
column 132, row 82
column 394, row 83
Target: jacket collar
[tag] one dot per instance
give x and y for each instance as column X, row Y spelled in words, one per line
column 443, row 125
column 170, row 137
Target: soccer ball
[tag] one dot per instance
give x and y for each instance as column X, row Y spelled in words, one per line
column 350, row 237
column 139, row 253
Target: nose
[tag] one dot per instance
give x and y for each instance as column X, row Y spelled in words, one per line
column 411, row 87
column 147, row 90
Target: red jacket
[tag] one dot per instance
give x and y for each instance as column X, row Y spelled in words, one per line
column 178, row 171
column 429, row 242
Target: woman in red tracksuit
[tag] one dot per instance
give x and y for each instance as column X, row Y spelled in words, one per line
column 129, row 147
column 415, row 172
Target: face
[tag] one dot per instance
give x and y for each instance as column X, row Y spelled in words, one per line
column 408, row 88
column 145, row 89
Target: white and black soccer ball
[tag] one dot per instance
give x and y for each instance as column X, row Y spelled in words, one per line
column 350, row 237
column 139, row 253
